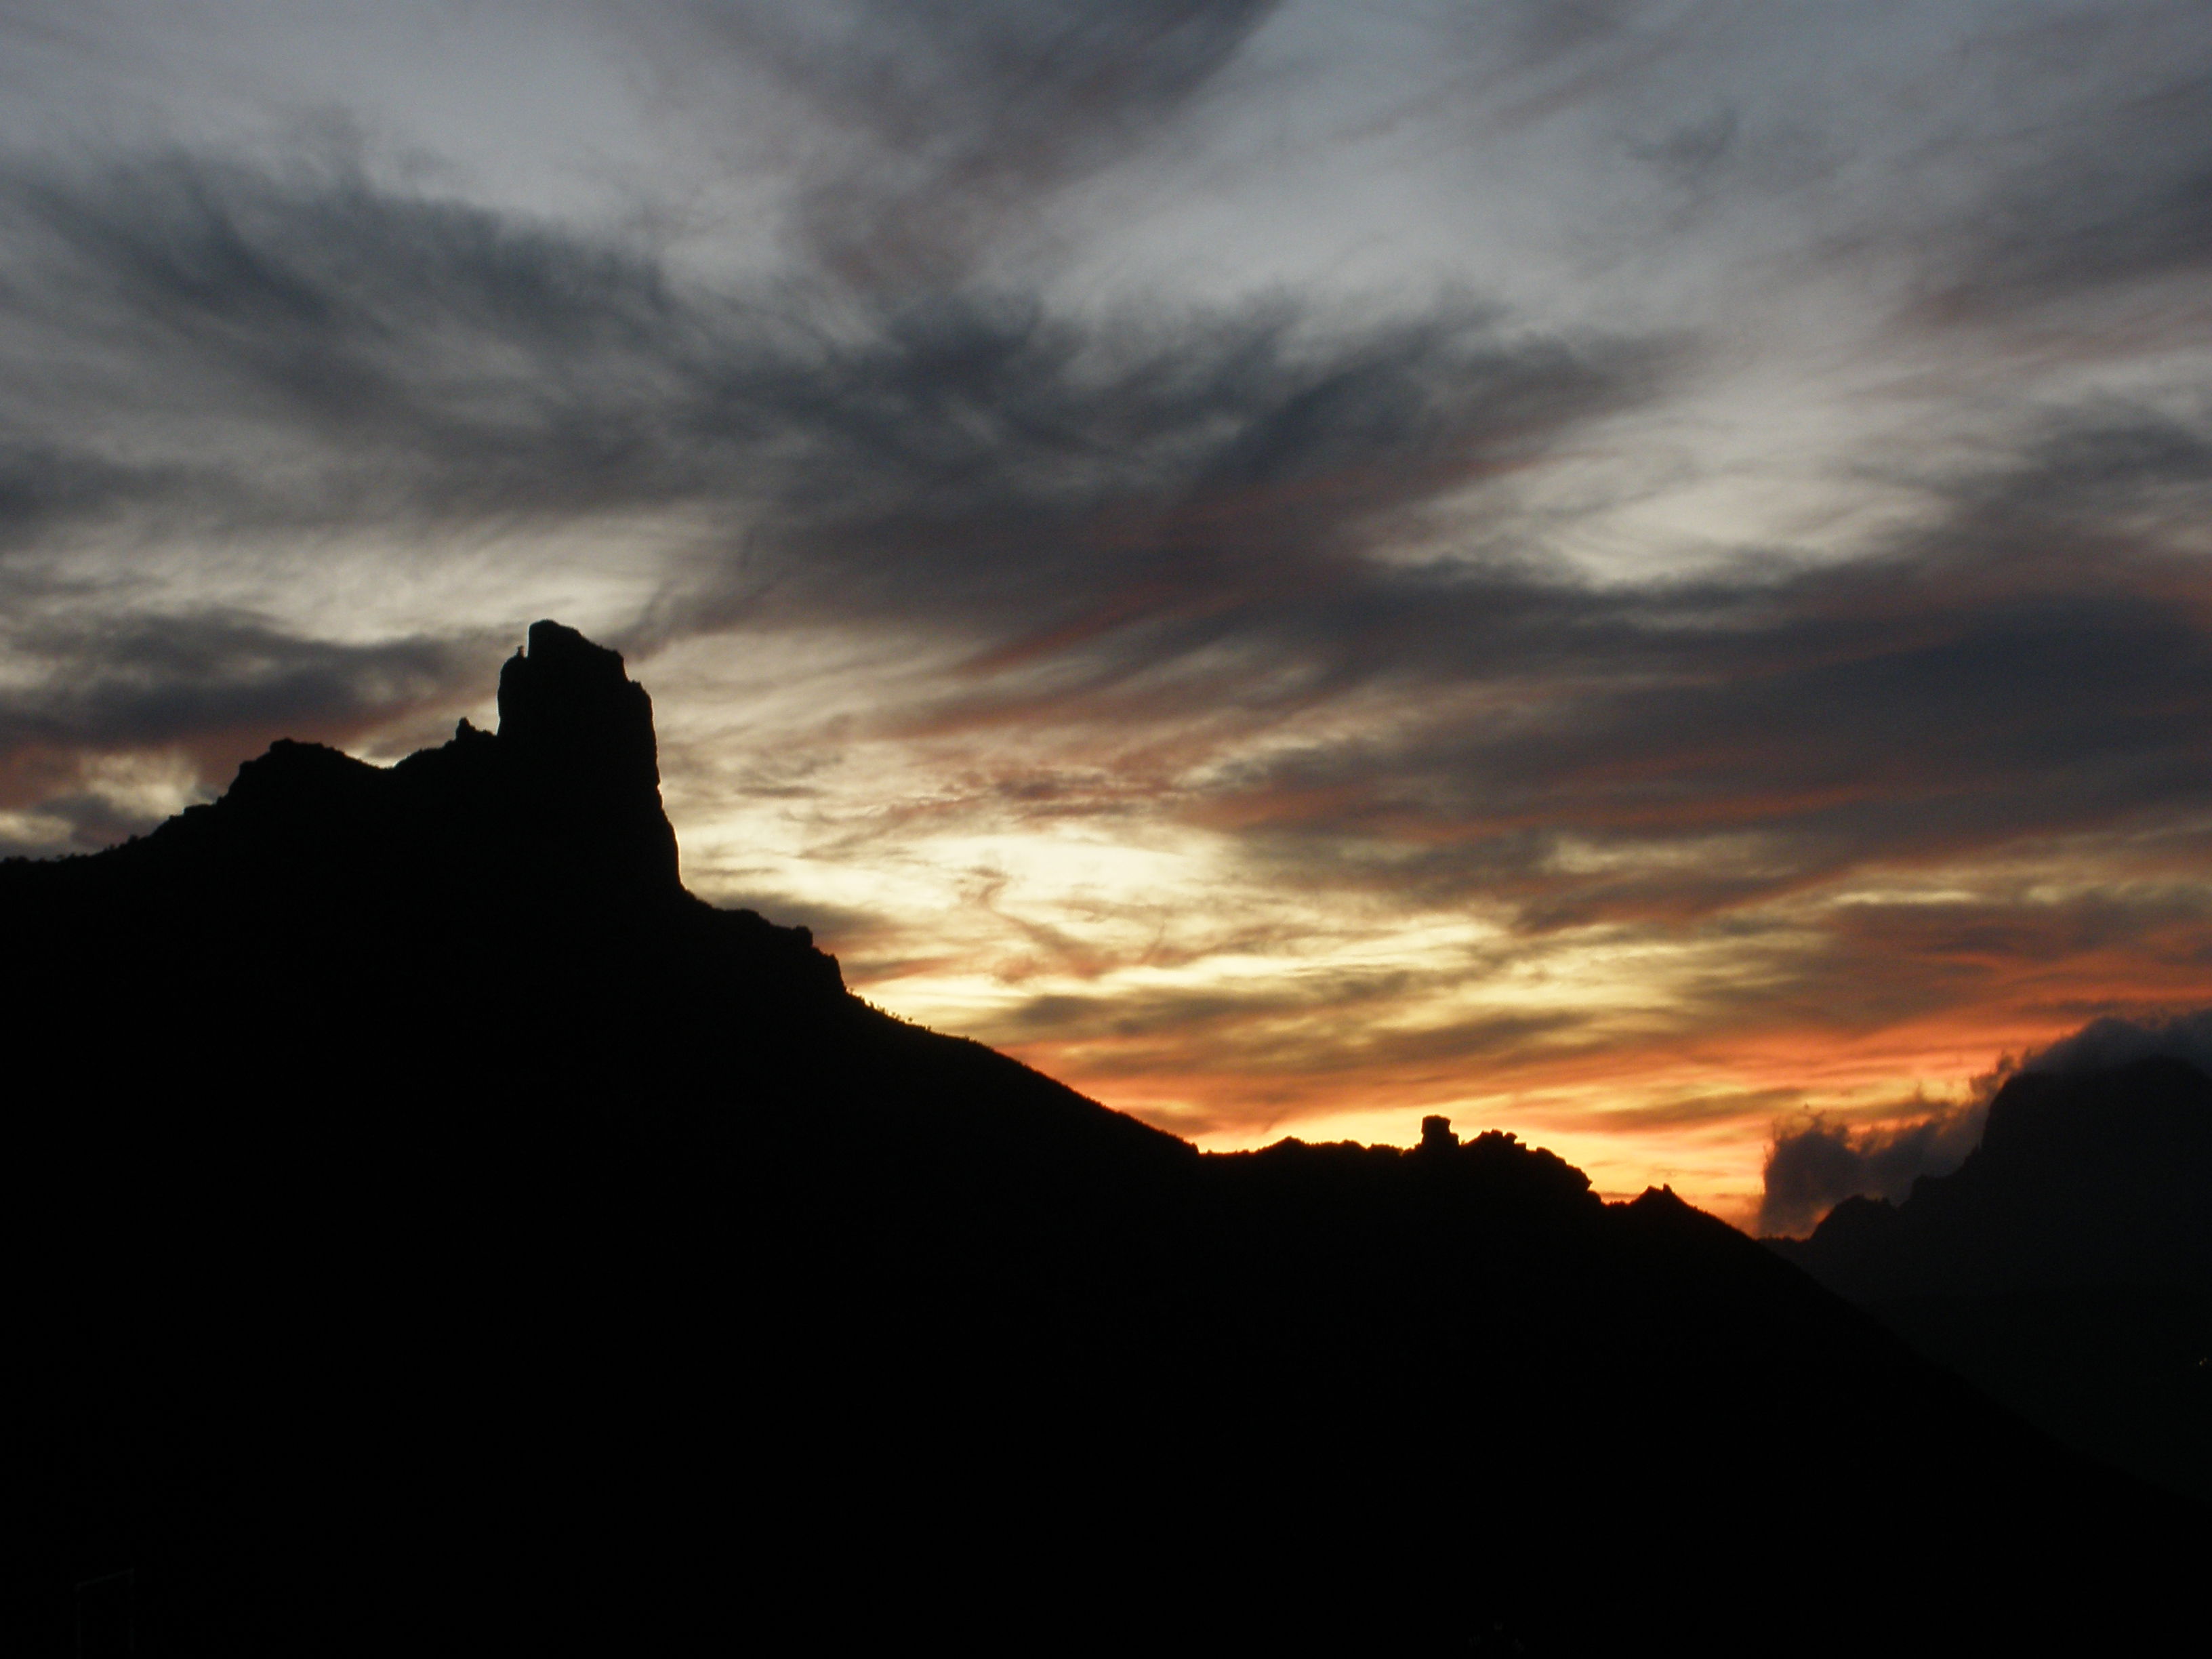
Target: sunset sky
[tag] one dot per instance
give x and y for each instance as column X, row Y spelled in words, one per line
column 1619, row 571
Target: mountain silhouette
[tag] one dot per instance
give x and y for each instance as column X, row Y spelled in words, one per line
column 430, row 1229
column 2066, row 1266
column 2099, row 1177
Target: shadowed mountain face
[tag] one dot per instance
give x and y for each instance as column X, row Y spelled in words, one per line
column 581, row 777
column 2081, row 1179
column 2066, row 1267
column 430, row 1228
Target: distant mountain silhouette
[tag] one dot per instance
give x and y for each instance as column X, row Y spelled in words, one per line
column 2066, row 1266
column 428, row 1229
column 2102, row 1177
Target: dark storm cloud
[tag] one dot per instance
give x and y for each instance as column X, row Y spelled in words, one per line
column 1172, row 487
column 45, row 489
column 427, row 355
column 2115, row 1041
column 1128, row 520
column 154, row 680
column 216, row 686
column 965, row 460
column 2112, row 187
column 1131, row 519
column 957, row 454
column 2037, row 662
column 941, row 119
column 1814, row 1165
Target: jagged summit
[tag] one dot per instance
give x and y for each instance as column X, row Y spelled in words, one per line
column 433, row 1227
column 576, row 733
column 560, row 808
column 2066, row 1266
column 576, row 741
column 563, row 690
column 496, row 875
column 2084, row 1178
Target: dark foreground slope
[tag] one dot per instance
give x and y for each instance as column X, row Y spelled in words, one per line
column 428, row 1229
column 2066, row 1267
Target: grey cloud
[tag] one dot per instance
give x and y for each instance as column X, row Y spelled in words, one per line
column 1544, row 28
column 82, row 821
column 1133, row 519
column 1996, row 160
column 1308, row 1030
column 1230, row 470
column 965, row 460
column 2112, row 187
column 2035, row 663
column 941, row 120
column 1691, row 152
column 216, row 686
column 488, row 361
column 1813, row 1166
column 478, row 364
column 2097, row 469
column 47, row 489
column 168, row 676
column 2116, row 1041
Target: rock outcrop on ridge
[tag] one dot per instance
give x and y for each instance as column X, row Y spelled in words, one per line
column 430, row 1228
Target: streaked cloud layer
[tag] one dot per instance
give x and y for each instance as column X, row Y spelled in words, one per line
column 1618, row 570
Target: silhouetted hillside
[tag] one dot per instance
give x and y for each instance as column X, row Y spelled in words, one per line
column 430, row 1228
column 2081, row 1179
column 2066, row 1267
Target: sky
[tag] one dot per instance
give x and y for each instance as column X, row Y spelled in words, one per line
column 1638, row 574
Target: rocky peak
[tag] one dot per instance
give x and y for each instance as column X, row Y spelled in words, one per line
column 566, row 705
column 576, row 739
column 560, row 807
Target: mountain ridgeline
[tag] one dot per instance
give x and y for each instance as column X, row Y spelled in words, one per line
column 2065, row 1267
column 2082, row 1180
column 430, row 1229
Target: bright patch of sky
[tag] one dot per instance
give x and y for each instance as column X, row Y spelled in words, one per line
column 1611, row 567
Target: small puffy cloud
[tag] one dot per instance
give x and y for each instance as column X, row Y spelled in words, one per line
column 1814, row 1165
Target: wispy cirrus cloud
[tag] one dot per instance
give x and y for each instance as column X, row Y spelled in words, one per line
column 1026, row 481
column 208, row 688
column 1282, row 567
column 930, row 131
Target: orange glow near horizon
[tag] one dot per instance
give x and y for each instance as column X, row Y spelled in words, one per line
column 1699, row 1121
column 1606, row 572
column 1687, row 1097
